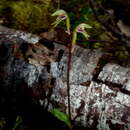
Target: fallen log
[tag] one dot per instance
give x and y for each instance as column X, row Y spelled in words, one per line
column 99, row 90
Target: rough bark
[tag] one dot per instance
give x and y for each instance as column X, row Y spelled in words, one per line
column 99, row 91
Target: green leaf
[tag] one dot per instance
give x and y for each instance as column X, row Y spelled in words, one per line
column 2, row 122
column 17, row 122
column 61, row 116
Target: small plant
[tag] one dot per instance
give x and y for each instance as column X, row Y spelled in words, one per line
column 2, row 122
column 17, row 122
column 61, row 116
column 81, row 28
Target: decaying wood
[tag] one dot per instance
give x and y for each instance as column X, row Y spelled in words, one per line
column 100, row 93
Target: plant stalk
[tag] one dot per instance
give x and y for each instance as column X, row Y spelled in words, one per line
column 68, row 80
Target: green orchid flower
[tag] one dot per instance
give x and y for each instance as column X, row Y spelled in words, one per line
column 81, row 28
column 61, row 16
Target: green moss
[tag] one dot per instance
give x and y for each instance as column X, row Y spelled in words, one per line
column 29, row 15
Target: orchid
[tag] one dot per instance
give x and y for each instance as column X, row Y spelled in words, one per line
column 81, row 28
column 61, row 16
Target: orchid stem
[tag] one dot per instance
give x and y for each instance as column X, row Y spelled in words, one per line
column 68, row 81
